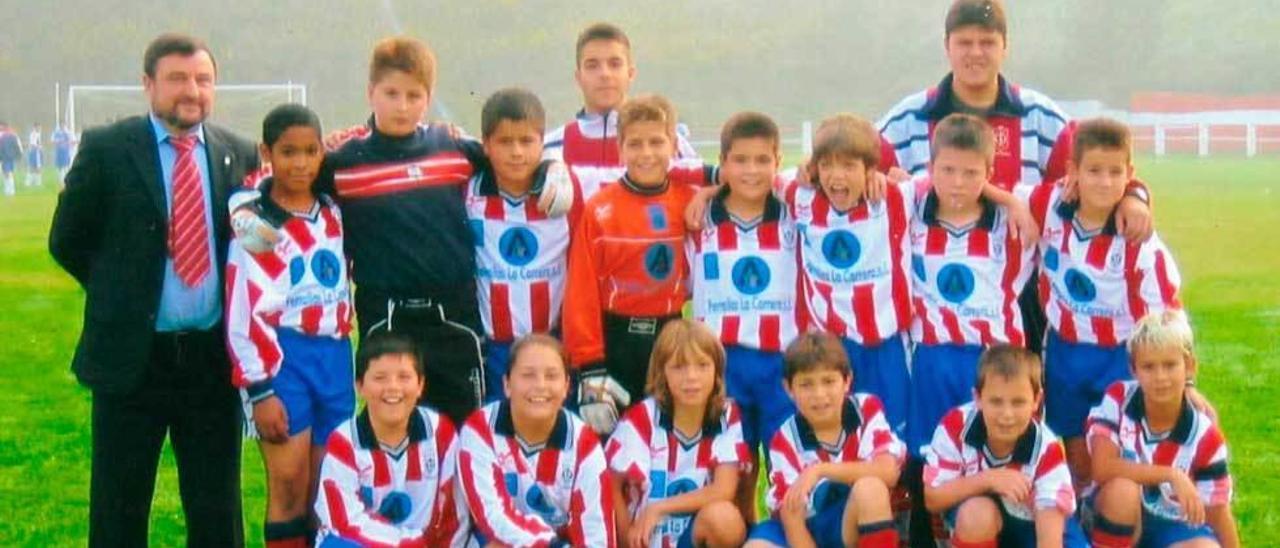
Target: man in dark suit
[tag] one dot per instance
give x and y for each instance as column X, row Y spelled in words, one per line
column 142, row 226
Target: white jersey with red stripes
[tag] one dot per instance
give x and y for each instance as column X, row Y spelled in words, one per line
column 866, row 435
column 855, row 262
column 522, row 258
column 966, row 280
column 591, row 140
column 1094, row 286
column 745, row 285
column 1195, row 446
column 959, row 449
column 657, row 461
column 300, row 284
column 374, row 495
column 520, row 494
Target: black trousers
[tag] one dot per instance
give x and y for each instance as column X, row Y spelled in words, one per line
column 186, row 394
column 448, row 336
column 628, row 342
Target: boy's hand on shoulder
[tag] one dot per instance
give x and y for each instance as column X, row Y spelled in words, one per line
column 336, row 138
column 556, row 197
column 271, row 420
column 1184, row 490
column 1134, row 220
column 1010, row 484
column 696, row 211
column 253, row 233
column 1023, row 225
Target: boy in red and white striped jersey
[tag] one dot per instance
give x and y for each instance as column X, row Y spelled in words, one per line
column 745, row 282
column 1094, row 286
column 997, row 473
column 288, row 318
column 833, row 463
column 522, row 254
column 532, row 473
column 1159, row 464
column 387, row 478
column 967, row 270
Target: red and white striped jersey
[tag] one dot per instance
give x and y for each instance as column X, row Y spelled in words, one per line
column 795, row 447
column 855, row 263
column 966, row 281
column 379, row 496
column 657, row 461
column 523, row 495
column 1032, row 135
column 1094, row 286
column 300, row 285
column 745, row 285
column 591, row 140
column 959, row 449
column 1195, row 446
column 522, row 258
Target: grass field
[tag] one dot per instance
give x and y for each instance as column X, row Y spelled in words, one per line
column 1220, row 216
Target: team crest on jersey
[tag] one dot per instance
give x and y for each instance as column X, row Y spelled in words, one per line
column 538, row 501
column 841, row 248
column 917, row 267
column 1080, row 286
column 297, row 269
column 518, row 246
column 1002, row 140
column 657, row 217
column 751, row 275
column 1051, row 259
column 659, row 260
column 327, row 268
column 415, row 172
column 955, row 283
column 430, row 466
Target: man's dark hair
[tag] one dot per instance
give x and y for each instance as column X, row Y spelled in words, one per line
column 173, row 43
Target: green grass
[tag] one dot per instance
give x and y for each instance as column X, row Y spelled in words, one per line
column 1219, row 216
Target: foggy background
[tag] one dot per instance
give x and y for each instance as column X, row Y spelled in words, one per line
column 796, row 60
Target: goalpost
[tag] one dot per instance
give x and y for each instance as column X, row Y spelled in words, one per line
column 238, row 106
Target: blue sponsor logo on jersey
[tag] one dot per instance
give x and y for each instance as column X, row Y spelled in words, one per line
column 537, row 501
column 841, row 248
column 396, row 506
column 1080, row 286
column 659, row 261
column 657, row 217
column 297, row 269
column 711, row 266
column 1051, row 259
column 751, row 275
column 680, row 487
column 518, row 246
column 955, row 283
column 327, row 268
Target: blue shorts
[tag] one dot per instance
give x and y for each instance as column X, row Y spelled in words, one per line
column 1076, row 378
column 62, row 158
column 497, row 356
column 942, row 377
column 34, row 158
column 826, row 526
column 7, row 166
column 1158, row 532
column 315, row 383
column 882, row 370
column 1021, row 533
column 753, row 379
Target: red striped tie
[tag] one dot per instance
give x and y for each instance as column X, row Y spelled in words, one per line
column 188, row 233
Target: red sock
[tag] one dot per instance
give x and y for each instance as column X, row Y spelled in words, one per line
column 1108, row 534
column 957, row 543
column 881, row 534
column 296, row 542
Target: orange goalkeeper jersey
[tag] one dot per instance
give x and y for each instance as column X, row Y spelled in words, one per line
column 627, row 258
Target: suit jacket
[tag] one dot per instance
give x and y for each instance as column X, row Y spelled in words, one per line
column 110, row 231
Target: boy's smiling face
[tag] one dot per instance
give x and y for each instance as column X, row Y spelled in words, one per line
column 843, row 179
column 295, row 158
column 399, row 102
column 647, row 148
column 514, row 150
column 749, row 167
column 537, row 383
column 1101, row 177
column 819, row 395
column 390, row 388
column 1008, row 405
